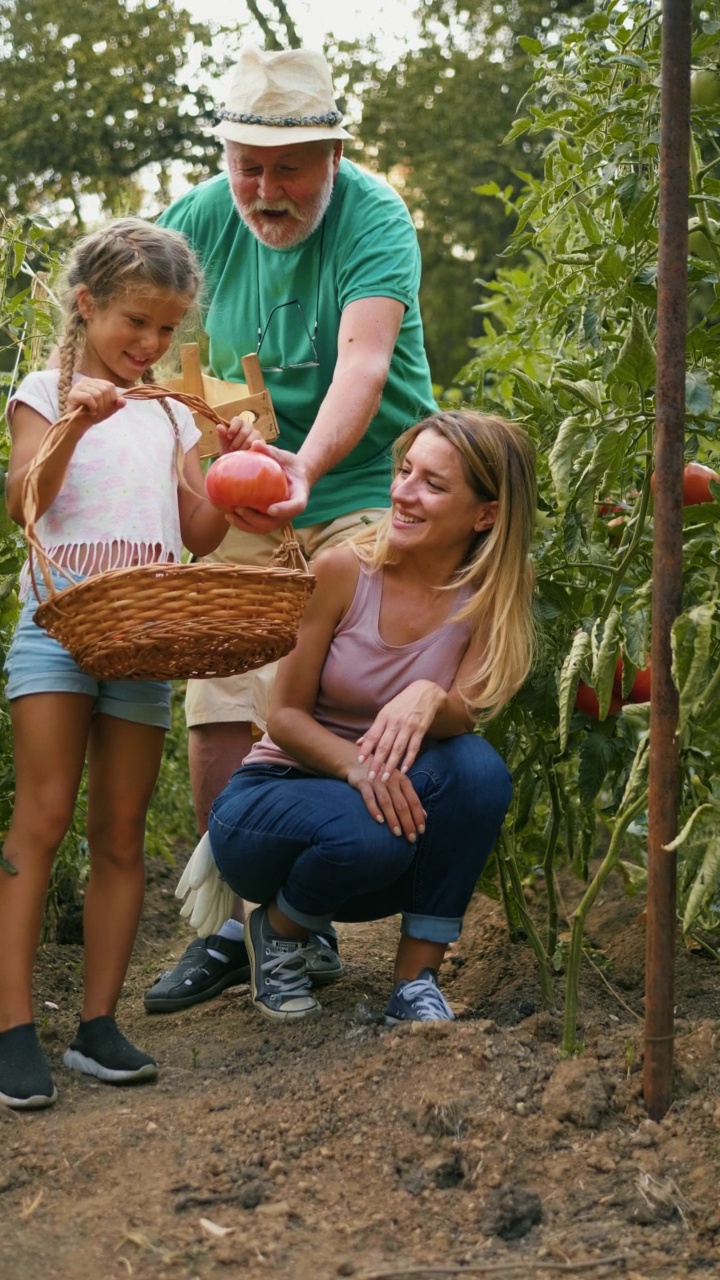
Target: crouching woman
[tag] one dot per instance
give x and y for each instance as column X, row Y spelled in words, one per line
column 371, row 794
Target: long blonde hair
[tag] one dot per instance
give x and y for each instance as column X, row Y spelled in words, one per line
column 124, row 255
column 498, row 461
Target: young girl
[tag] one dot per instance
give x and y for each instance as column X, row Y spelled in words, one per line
column 370, row 794
column 125, row 491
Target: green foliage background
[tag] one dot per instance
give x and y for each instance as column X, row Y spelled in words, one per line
column 560, row 222
column 569, row 345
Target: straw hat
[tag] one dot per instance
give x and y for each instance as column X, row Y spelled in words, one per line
column 276, row 98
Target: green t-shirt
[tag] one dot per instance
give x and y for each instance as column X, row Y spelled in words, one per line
column 365, row 247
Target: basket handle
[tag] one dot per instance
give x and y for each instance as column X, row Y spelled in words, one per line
column 288, row 554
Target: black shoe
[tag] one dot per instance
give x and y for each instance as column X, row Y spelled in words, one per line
column 25, row 1080
column 99, row 1049
column 198, row 976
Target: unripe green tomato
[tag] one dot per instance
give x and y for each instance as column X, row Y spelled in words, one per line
column 698, row 243
column 9, row 608
column 705, row 88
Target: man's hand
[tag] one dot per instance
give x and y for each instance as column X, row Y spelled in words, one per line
column 280, row 513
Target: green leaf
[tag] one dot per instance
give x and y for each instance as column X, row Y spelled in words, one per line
column 691, row 639
column 596, row 755
column 606, row 651
column 532, row 394
column 530, row 45
column 637, row 782
column 574, row 666
column 592, row 229
column 636, row 361
column 563, row 454
column 610, row 266
column 635, row 625
column 588, row 393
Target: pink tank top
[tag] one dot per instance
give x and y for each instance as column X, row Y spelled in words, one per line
column 362, row 673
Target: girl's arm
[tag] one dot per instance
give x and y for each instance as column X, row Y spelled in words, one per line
column 98, row 398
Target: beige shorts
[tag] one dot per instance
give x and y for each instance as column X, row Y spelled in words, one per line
column 245, row 697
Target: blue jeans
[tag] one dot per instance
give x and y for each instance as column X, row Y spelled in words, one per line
column 310, row 843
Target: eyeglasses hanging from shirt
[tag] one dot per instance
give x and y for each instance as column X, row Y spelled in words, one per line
column 291, row 331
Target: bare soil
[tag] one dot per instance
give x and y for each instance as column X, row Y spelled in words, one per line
column 342, row 1147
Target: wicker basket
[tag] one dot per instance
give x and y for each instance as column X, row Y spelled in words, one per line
column 168, row 621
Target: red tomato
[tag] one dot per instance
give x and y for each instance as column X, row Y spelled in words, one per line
column 245, row 478
column 640, row 691
column 696, row 484
column 586, row 701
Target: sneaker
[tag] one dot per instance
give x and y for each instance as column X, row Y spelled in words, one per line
column 280, row 981
column 322, row 959
column 419, row 1000
column 198, row 976
column 25, row 1080
column 99, row 1049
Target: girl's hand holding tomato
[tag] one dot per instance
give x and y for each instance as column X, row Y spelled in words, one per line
column 240, row 433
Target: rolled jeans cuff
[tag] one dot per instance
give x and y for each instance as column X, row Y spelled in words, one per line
column 316, row 924
column 431, row 928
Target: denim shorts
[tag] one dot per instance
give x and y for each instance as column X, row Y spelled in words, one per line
column 35, row 663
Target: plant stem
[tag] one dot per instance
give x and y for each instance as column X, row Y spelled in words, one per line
column 579, row 917
column 534, row 938
column 511, row 915
column 549, row 859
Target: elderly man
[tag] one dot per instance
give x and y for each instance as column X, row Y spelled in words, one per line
column 314, row 264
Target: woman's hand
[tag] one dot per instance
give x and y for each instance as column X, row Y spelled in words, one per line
column 395, row 737
column 395, row 801
column 240, row 433
column 98, row 398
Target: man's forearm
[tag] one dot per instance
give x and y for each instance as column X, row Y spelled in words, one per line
column 345, row 414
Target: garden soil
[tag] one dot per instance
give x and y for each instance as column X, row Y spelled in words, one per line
column 343, row 1147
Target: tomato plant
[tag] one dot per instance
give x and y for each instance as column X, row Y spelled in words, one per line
column 569, row 347
column 245, row 478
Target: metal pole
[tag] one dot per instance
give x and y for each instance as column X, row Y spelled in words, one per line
column 667, row 551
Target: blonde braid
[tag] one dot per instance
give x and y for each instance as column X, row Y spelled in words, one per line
column 148, row 376
column 69, row 353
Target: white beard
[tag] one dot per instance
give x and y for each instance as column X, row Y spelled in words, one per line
column 284, row 234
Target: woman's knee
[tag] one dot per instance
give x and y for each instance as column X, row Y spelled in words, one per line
column 470, row 773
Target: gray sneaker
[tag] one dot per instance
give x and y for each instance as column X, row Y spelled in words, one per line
column 419, row 1000
column 322, row 959
column 279, row 978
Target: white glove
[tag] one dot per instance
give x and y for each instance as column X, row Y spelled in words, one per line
column 208, row 899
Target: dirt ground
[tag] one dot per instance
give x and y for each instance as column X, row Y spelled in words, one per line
column 342, row 1147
